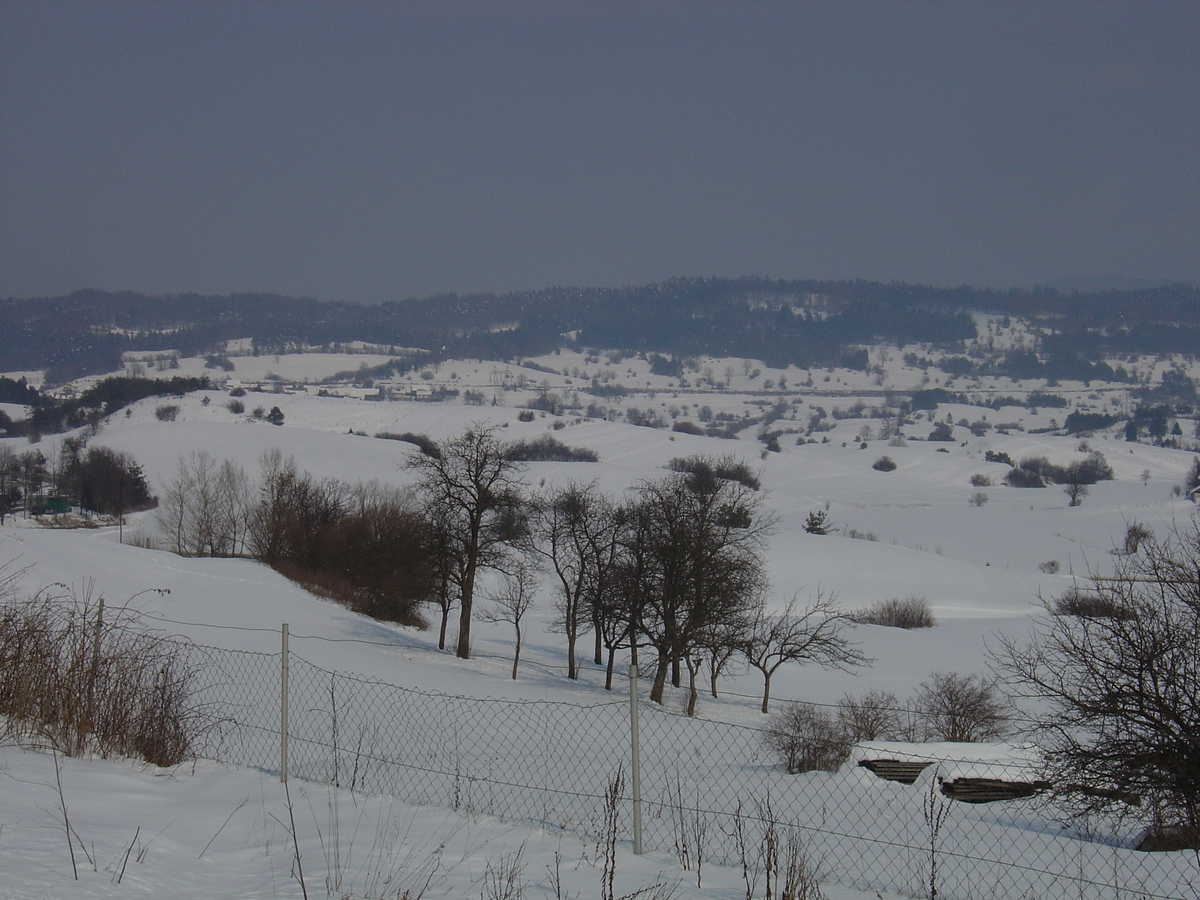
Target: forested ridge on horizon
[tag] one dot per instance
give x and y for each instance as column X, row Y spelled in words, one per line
column 804, row 323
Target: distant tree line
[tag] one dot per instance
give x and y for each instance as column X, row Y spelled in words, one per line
column 799, row 322
column 48, row 415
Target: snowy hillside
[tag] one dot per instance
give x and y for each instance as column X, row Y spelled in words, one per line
column 920, row 530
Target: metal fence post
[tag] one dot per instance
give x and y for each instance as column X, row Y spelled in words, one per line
column 283, row 710
column 637, row 759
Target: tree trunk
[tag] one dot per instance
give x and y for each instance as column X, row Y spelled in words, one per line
column 517, row 655
column 442, row 630
column 766, row 689
column 713, row 682
column 691, row 707
column 599, row 646
column 660, row 680
column 572, row 663
column 676, row 673
column 464, row 626
column 608, row 676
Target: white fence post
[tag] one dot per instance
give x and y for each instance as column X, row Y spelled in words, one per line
column 283, row 710
column 637, row 759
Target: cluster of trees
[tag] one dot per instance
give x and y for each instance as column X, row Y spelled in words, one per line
column 364, row 545
column 94, row 479
column 673, row 569
column 1037, row 471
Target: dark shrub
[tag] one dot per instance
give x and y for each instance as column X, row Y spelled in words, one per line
column 686, row 427
column 818, row 522
column 166, row 412
column 728, row 468
column 422, row 442
column 548, row 449
column 941, row 432
column 884, row 464
column 1023, row 478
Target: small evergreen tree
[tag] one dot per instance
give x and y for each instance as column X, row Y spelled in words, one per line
column 818, row 522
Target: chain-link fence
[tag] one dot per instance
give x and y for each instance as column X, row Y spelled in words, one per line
column 702, row 783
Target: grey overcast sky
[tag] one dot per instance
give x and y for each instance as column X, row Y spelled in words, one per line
column 369, row 151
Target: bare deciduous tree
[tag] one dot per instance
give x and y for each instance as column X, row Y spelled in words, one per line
column 577, row 531
column 9, row 480
column 512, row 602
column 817, row 634
column 473, row 488
column 1117, row 696
column 1075, row 492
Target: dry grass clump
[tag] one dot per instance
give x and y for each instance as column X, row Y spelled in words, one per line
column 78, row 683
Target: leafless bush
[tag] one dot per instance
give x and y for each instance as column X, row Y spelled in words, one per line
column 1135, row 535
column 953, row 707
column 874, row 716
column 1049, row 567
column 806, row 739
column 73, row 681
column 978, row 498
column 978, row 480
column 911, row 612
column 1084, row 605
column 860, row 535
column 548, row 449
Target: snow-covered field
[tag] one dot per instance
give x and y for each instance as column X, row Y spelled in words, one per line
column 206, row 830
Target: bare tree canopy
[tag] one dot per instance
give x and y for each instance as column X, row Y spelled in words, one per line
column 472, row 489
column 693, row 561
column 1118, row 694
column 512, row 602
column 817, row 634
column 577, row 531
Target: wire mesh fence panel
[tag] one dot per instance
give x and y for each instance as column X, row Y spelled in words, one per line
column 534, row 761
column 710, row 790
column 873, row 833
column 235, row 697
